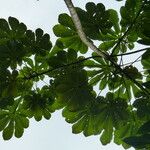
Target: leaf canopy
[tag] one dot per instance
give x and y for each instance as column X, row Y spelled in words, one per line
column 95, row 96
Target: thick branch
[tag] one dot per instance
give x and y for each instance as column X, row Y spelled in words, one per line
column 84, row 39
column 80, row 31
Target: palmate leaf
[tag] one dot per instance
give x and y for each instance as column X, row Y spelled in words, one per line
column 26, row 59
column 140, row 138
column 127, row 129
column 122, row 132
column 101, row 71
column 142, row 105
column 69, row 92
column 114, row 35
column 68, row 34
column 38, row 104
column 101, row 115
column 16, row 42
column 95, row 22
column 129, row 12
column 8, row 87
column 63, row 60
column 74, row 93
column 11, row 54
column 13, row 121
column 33, row 67
column 104, row 75
column 143, row 24
column 126, row 87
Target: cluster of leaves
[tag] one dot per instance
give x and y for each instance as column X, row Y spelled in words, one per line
column 101, row 115
column 28, row 58
column 17, row 46
column 13, row 121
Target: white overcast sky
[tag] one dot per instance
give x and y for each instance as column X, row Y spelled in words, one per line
column 54, row 134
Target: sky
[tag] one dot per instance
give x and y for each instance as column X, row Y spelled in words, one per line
column 55, row 133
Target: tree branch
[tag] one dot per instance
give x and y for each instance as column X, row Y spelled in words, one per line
column 80, row 31
column 129, row 28
column 77, row 62
column 60, row 67
column 85, row 40
column 140, row 50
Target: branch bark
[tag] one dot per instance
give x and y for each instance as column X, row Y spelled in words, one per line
column 80, row 31
column 99, row 52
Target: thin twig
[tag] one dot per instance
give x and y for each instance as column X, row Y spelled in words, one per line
column 129, row 53
column 60, row 67
column 77, row 62
column 129, row 28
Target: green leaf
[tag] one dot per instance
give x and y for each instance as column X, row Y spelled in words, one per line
column 90, row 126
column 114, row 19
column 66, row 20
column 4, row 25
column 3, row 123
column 38, row 114
column 39, row 33
column 107, row 133
column 29, row 61
column 14, row 23
column 3, row 114
column 8, row 131
column 106, row 137
column 138, row 141
column 145, row 59
column 74, row 42
column 96, row 79
column 72, row 117
column 90, row 7
column 105, row 46
column 142, row 105
column 18, row 128
column 46, row 114
column 57, row 47
column 145, row 128
column 62, row 31
column 24, row 121
column 103, row 83
column 72, row 55
column 79, row 126
column 91, row 64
